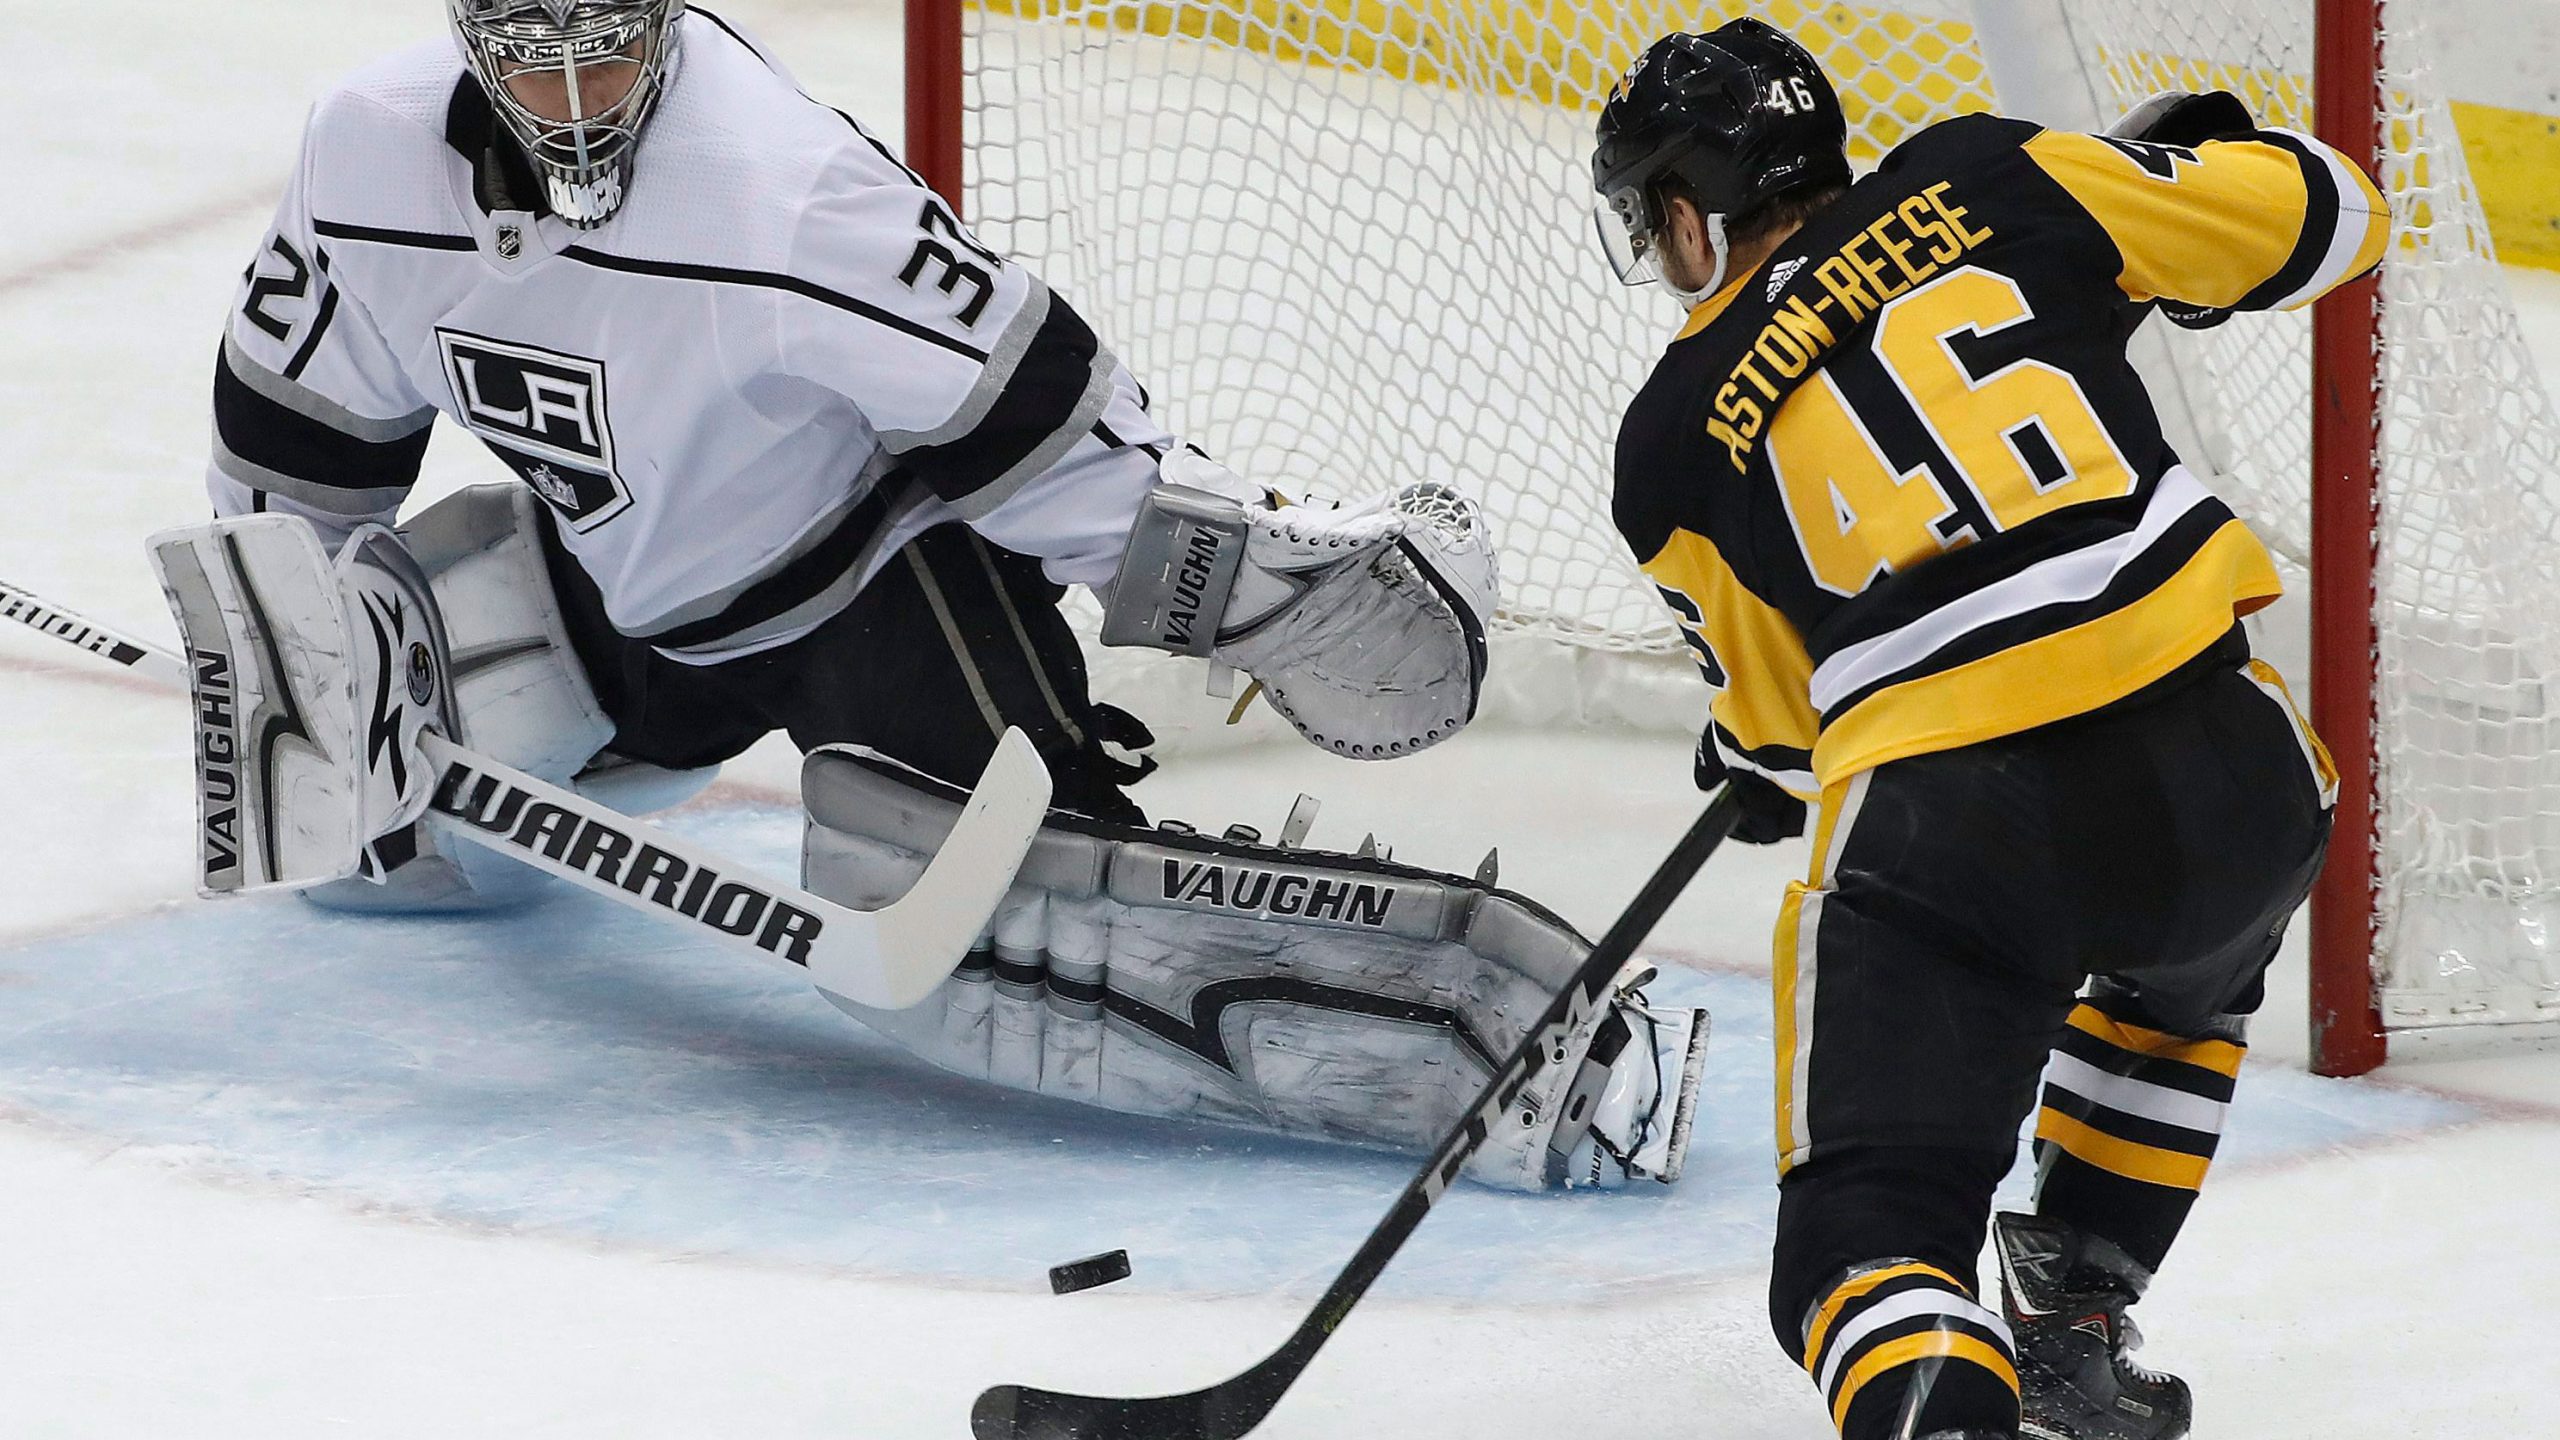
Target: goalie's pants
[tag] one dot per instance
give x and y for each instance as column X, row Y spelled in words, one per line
column 950, row 643
column 2151, row 853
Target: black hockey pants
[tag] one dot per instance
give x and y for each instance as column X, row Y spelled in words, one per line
column 953, row 641
column 2094, row 902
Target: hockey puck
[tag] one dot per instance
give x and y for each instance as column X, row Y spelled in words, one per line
column 1088, row 1272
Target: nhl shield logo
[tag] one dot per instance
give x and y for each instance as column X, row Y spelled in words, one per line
column 510, row 242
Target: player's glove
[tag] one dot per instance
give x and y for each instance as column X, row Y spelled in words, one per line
column 2193, row 317
column 1769, row 813
column 2178, row 117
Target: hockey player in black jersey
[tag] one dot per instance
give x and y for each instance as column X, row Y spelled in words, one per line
column 790, row 448
column 1952, row 588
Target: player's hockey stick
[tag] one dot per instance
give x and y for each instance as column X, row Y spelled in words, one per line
column 887, row 959
column 1235, row 1405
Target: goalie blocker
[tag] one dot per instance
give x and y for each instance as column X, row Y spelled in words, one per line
column 1347, row 998
column 313, row 681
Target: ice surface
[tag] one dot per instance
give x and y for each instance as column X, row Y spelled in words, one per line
column 265, row 1173
column 579, row 1069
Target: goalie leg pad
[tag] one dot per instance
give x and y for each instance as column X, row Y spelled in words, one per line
column 1159, row 972
column 523, row 696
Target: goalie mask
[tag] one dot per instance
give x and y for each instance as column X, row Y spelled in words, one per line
column 573, row 81
column 1735, row 117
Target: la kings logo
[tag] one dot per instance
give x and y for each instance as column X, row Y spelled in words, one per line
column 544, row 414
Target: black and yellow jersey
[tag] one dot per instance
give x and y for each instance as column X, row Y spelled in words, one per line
column 1900, row 482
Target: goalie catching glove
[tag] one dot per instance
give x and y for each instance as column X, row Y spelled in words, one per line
column 1364, row 624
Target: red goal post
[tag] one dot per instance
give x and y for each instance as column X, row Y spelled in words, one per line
column 1030, row 115
column 935, row 95
column 2346, row 435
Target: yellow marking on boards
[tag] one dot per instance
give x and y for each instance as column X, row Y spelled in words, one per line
column 1568, row 53
column 2515, row 163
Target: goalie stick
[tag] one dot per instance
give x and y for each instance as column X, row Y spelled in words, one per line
column 111, row 645
column 886, row 959
column 1233, row 1406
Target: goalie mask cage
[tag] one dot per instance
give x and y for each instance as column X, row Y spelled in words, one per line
column 1348, row 242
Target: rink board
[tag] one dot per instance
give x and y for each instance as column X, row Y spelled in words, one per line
column 576, row 1071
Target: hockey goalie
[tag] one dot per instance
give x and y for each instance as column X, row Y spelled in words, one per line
column 793, row 450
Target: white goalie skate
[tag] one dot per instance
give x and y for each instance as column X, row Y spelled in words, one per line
column 1636, row 1126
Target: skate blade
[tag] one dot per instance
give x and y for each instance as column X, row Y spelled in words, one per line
column 1662, row 1157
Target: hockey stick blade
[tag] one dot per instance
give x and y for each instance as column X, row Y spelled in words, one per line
column 1234, row 1406
column 886, row 959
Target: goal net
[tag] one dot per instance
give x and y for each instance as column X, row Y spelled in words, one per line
column 1347, row 244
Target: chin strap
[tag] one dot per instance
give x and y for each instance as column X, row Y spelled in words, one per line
column 1716, row 245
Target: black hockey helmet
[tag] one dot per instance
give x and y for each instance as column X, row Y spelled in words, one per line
column 1740, row 115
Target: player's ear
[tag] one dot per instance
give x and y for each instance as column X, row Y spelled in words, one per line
column 1683, row 226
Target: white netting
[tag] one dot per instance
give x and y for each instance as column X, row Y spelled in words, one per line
column 1347, row 243
column 2469, row 568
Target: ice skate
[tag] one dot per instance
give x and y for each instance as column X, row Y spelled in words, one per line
column 2067, row 1294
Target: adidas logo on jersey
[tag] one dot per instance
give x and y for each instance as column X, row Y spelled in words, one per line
column 1781, row 273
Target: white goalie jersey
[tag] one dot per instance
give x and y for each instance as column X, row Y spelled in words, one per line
column 781, row 360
